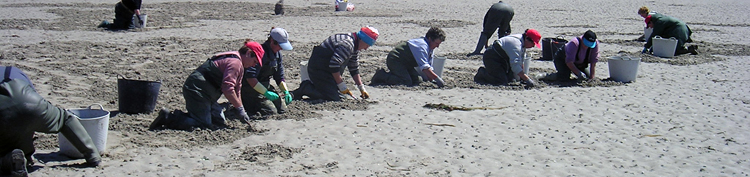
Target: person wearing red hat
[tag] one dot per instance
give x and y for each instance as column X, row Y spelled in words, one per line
column 328, row 61
column 503, row 61
column 415, row 53
column 220, row 74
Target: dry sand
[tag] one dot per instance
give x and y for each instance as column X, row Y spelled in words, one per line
column 684, row 116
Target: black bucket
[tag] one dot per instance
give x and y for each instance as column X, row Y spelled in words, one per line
column 137, row 96
column 550, row 46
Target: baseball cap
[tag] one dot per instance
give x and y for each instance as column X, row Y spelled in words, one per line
column 589, row 39
column 282, row 37
column 368, row 35
column 535, row 36
column 257, row 49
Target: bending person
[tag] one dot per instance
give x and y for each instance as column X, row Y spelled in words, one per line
column 407, row 55
column 23, row 112
column 498, row 18
column 579, row 54
column 328, row 61
column 220, row 74
column 503, row 61
column 125, row 11
column 256, row 93
column 669, row 27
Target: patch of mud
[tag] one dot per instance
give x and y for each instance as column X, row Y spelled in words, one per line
column 571, row 26
column 708, row 52
column 439, row 23
column 719, row 25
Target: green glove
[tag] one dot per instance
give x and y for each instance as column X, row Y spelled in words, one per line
column 287, row 97
column 271, row 96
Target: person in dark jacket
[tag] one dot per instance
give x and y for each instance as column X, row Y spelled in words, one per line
column 498, row 18
column 328, row 61
column 256, row 90
column 125, row 12
column 22, row 112
column 669, row 27
column 414, row 53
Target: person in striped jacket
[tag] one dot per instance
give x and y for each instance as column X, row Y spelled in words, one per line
column 328, row 61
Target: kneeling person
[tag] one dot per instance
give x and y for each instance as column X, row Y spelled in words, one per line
column 503, row 60
column 255, row 91
column 406, row 56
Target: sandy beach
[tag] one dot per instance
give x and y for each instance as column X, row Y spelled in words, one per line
column 683, row 116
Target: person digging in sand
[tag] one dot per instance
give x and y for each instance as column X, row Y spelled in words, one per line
column 221, row 73
column 22, row 112
column 256, row 93
column 669, row 27
column 579, row 57
column 407, row 55
column 503, row 61
column 328, row 61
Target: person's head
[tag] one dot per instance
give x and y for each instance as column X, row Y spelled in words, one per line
column 251, row 53
column 434, row 37
column 643, row 11
column 531, row 38
column 589, row 39
column 279, row 39
column 367, row 36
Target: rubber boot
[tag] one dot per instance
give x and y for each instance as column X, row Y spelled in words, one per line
column 160, row 120
column 15, row 163
column 693, row 49
column 480, row 45
column 379, row 77
column 77, row 135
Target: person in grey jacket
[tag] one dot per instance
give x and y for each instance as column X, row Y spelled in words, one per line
column 22, row 112
column 498, row 19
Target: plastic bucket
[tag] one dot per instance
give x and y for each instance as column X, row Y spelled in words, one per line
column 137, row 96
column 664, row 47
column 138, row 23
column 96, row 123
column 437, row 65
column 623, row 68
column 647, row 32
column 527, row 63
column 303, row 75
column 341, row 6
column 550, row 46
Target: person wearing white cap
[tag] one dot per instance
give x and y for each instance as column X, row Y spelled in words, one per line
column 328, row 61
column 258, row 95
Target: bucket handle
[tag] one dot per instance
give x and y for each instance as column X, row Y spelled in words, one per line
column 126, row 78
column 100, row 106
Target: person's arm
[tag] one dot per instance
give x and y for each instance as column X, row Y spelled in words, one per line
column 231, row 81
column 593, row 71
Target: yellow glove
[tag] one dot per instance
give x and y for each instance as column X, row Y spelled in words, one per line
column 362, row 90
column 344, row 90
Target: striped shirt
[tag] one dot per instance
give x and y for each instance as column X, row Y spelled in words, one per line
column 344, row 52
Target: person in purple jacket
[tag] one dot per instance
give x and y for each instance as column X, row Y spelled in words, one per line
column 580, row 53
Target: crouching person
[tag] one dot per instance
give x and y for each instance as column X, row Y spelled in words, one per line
column 579, row 54
column 220, row 74
column 503, row 60
column 22, row 112
column 406, row 56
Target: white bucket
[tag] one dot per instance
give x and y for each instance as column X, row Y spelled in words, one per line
column 647, row 32
column 303, row 71
column 664, row 47
column 623, row 68
column 139, row 24
column 437, row 65
column 527, row 63
column 96, row 123
column 341, row 6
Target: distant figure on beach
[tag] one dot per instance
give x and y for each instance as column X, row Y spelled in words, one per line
column 221, row 73
column 503, row 60
column 578, row 55
column 407, row 55
column 22, row 112
column 257, row 94
column 498, row 18
column 668, row 27
column 125, row 12
column 328, row 61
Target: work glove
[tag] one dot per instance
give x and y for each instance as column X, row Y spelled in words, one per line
column 287, row 97
column 362, row 90
column 271, row 95
column 581, row 75
column 243, row 114
column 439, row 82
column 645, row 50
column 344, row 90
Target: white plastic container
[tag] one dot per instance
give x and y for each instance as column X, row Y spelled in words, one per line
column 140, row 23
column 437, row 65
column 96, row 123
column 647, row 32
column 623, row 68
column 527, row 63
column 303, row 71
column 664, row 47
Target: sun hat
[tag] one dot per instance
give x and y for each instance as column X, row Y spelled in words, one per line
column 589, row 39
column 257, row 49
column 535, row 36
column 282, row 37
column 368, row 35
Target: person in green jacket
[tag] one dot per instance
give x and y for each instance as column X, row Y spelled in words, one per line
column 668, row 27
column 406, row 56
column 22, row 112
